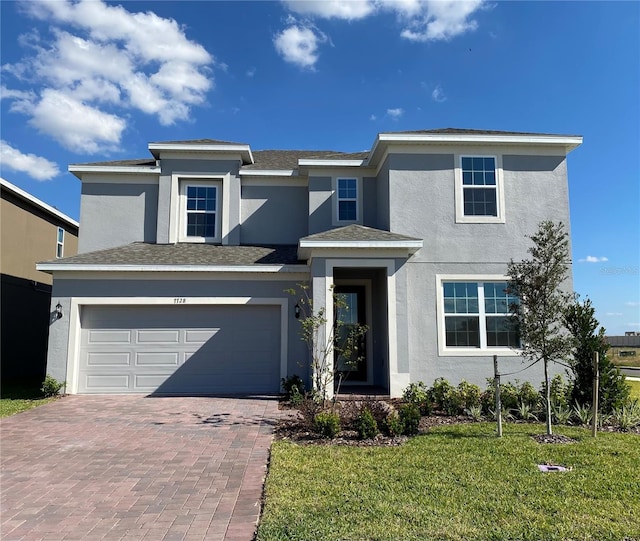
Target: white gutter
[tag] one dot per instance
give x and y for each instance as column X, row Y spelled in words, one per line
column 203, row 147
column 268, row 173
column 330, row 163
column 128, row 169
column 75, row 267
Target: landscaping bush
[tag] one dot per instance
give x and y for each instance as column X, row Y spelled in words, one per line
column 327, row 424
column 468, row 395
column 627, row 417
column 527, row 394
column 366, row 425
column 410, row 419
column 418, row 395
column 393, row 424
column 307, row 410
column 292, row 386
column 440, row 389
column 51, row 386
column 560, row 392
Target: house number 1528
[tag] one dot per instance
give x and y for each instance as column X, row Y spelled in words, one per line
column 179, row 300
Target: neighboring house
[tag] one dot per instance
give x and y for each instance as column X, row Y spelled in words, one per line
column 185, row 257
column 625, row 348
column 30, row 232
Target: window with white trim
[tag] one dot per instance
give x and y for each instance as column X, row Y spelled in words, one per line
column 477, row 315
column 60, row 243
column 347, row 199
column 479, row 189
column 200, row 211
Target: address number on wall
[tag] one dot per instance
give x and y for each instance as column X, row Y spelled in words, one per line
column 179, row 300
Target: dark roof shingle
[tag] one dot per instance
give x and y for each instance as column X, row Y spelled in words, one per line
column 357, row 233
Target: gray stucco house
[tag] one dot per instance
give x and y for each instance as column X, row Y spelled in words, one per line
column 184, row 259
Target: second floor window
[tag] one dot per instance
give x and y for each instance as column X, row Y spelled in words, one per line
column 202, row 210
column 479, row 186
column 60, row 243
column 347, row 199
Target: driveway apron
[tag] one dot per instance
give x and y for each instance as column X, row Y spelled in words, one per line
column 134, row 467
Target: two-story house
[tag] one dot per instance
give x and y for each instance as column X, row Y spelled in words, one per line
column 30, row 231
column 185, row 258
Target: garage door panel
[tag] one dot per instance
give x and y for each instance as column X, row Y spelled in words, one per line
column 108, row 359
column 158, row 337
column 217, row 349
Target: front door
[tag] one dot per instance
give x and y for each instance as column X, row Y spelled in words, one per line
column 351, row 311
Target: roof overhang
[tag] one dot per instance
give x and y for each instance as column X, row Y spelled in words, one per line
column 75, row 267
column 306, row 248
column 78, row 169
column 244, row 150
column 318, row 162
column 384, row 140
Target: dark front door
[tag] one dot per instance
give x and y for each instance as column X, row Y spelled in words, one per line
column 351, row 311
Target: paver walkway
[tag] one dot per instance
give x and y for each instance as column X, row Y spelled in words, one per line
column 131, row 467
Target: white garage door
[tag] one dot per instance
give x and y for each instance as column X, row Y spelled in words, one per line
column 180, row 349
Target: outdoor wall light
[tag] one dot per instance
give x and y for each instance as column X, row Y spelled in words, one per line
column 297, row 311
column 58, row 311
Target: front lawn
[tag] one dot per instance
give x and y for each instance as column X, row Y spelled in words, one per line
column 457, row 482
column 635, row 388
column 17, row 398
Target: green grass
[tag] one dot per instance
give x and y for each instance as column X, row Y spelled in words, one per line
column 635, row 388
column 456, row 483
column 22, row 397
column 626, row 361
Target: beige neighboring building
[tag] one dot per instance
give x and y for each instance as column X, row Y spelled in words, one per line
column 625, row 348
column 30, row 231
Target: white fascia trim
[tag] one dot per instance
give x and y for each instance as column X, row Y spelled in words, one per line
column 244, row 150
column 562, row 140
column 330, row 163
column 268, row 173
column 75, row 328
column 61, row 267
column 34, row 200
column 122, row 169
column 382, row 244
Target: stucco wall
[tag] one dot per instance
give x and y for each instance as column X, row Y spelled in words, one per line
column 319, row 204
column 274, row 214
column 117, row 213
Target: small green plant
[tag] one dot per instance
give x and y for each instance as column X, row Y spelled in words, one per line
column 475, row 412
column 296, row 397
column 524, row 411
column 327, row 424
column 410, row 418
column 418, row 395
column 366, row 425
column 627, row 417
column 527, row 394
column 562, row 414
column 583, row 413
column 51, row 386
column 440, row 389
column 393, row 424
column 292, row 385
column 468, row 394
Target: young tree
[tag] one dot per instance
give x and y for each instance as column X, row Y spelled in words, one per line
column 327, row 342
column 613, row 391
column 539, row 314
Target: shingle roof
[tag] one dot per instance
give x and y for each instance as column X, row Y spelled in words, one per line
column 140, row 162
column 288, row 159
column 140, row 254
column 197, row 142
column 464, row 131
column 357, row 233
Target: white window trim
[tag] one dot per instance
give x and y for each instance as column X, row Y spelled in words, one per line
column 336, row 204
column 459, row 192
column 177, row 216
column 59, row 244
column 448, row 351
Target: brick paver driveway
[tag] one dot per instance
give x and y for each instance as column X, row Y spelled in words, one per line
column 131, row 467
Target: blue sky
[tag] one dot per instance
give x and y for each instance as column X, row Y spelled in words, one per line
column 95, row 81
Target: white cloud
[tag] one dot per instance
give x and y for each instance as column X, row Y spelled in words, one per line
column 442, row 20
column 593, row 259
column 373, row 117
column 423, row 20
column 632, row 303
column 330, row 9
column 98, row 55
column 251, row 71
column 299, row 45
column 395, row 113
column 438, row 94
column 35, row 166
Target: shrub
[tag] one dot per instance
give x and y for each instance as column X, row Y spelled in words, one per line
column 475, row 412
column 439, row 391
column 562, row 414
column 560, row 392
column 296, row 397
column 524, row 411
column 469, row 394
column 309, row 407
column 418, row 395
column 410, row 418
column 527, row 394
column 627, row 417
column 508, row 397
column 51, row 386
column 327, row 424
column 292, row 385
column 583, row 413
column 393, row 424
column 366, row 425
